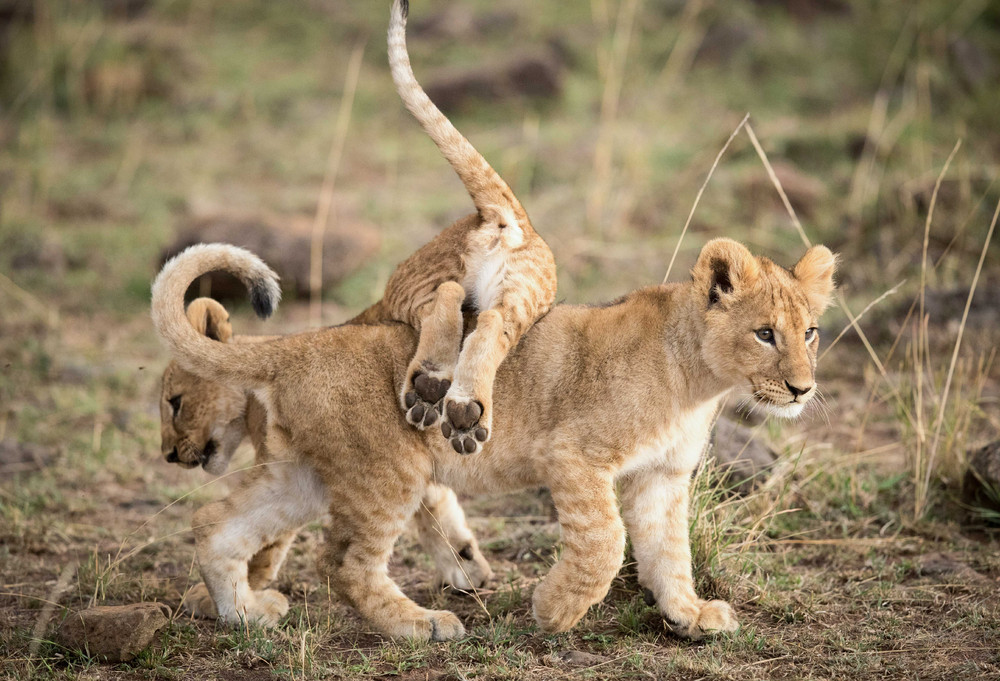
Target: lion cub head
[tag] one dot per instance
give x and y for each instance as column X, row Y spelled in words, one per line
column 760, row 321
column 201, row 422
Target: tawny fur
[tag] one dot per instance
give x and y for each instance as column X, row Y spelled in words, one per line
column 592, row 399
column 195, row 412
column 503, row 265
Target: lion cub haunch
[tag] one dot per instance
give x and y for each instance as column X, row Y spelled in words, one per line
column 609, row 407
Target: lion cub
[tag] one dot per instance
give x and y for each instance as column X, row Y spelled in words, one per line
column 203, row 422
column 610, row 407
column 505, row 268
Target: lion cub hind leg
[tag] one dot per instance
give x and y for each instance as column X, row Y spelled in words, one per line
column 468, row 406
column 445, row 535
column 655, row 506
column 429, row 373
column 261, row 514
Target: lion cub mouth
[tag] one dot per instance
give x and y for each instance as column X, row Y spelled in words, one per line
column 208, row 452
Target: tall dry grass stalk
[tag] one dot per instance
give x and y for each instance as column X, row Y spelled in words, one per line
column 929, row 452
column 600, row 187
column 325, row 203
column 690, row 33
column 701, row 190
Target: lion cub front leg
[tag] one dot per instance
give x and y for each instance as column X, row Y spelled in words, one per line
column 655, row 506
column 429, row 374
column 593, row 548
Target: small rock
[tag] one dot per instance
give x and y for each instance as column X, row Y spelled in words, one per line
column 529, row 75
column 722, row 42
column 744, row 459
column 284, row 245
column 981, row 485
column 803, row 191
column 974, row 65
column 116, row 633
column 23, row 457
column 574, row 658
column 948, row 566
column 807, row 10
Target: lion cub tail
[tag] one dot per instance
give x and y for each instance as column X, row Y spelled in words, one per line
column 246, row 365
column 488, row 190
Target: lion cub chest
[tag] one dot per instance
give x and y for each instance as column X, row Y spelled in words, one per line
column 677, row 446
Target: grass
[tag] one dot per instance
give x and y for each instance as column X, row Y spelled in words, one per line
column 116, row 129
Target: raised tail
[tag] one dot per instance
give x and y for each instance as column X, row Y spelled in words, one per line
column 236, row 364
column 492, row 197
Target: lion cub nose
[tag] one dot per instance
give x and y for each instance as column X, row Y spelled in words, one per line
column 796, row 392
column 172, row 456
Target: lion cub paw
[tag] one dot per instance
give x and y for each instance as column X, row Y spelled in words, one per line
column 465, row 425
column 197, row 602
column 432, row 625
column 712, row 618
column 467, row 571
column 423, row 402
column 554, row 609
column 265, row 610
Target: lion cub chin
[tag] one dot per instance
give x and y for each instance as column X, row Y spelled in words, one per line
column 610, row 407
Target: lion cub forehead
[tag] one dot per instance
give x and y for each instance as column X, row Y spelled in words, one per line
column 781, row 297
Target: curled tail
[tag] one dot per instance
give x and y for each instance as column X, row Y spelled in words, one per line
column 243, row 365
column 488, row 190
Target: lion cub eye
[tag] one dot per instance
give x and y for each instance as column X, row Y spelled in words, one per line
column 811, row 333
column 175, row 403
column 765, row 335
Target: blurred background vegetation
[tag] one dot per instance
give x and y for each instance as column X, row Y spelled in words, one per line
column 131, row 127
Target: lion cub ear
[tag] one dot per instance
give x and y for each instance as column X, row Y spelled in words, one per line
column 815, row 272
column 724, row 268
column 210, row 319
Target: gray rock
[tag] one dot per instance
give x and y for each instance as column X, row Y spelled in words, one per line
column 981, row 485
column 527, row 75
column 948, row 566
column 115, row 633
column 575, row 658
column 284, row 244
column 743, row 458
column 23, row 457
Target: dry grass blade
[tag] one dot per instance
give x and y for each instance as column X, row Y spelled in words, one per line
column 329, row 182
column 701, row 190
column 958, row 345
column 690, row 33
column 50, row 605
column 861, row 314
column 46, row 312
column 922, row 354
column 777, row 185
column 610, row 99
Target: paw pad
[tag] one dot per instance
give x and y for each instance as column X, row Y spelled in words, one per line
column 422, row 403
column 461, row 427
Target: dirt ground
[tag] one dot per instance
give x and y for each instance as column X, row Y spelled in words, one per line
column 125, row 125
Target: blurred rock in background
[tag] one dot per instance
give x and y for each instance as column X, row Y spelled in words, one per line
column 284, row 244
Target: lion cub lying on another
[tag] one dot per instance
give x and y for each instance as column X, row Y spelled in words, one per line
column 207, row 421
column 604, row 405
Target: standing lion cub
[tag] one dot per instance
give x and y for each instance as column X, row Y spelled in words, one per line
column 610, row 407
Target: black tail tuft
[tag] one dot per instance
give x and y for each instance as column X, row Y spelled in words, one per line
column 261, row 300
column 405, row 5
